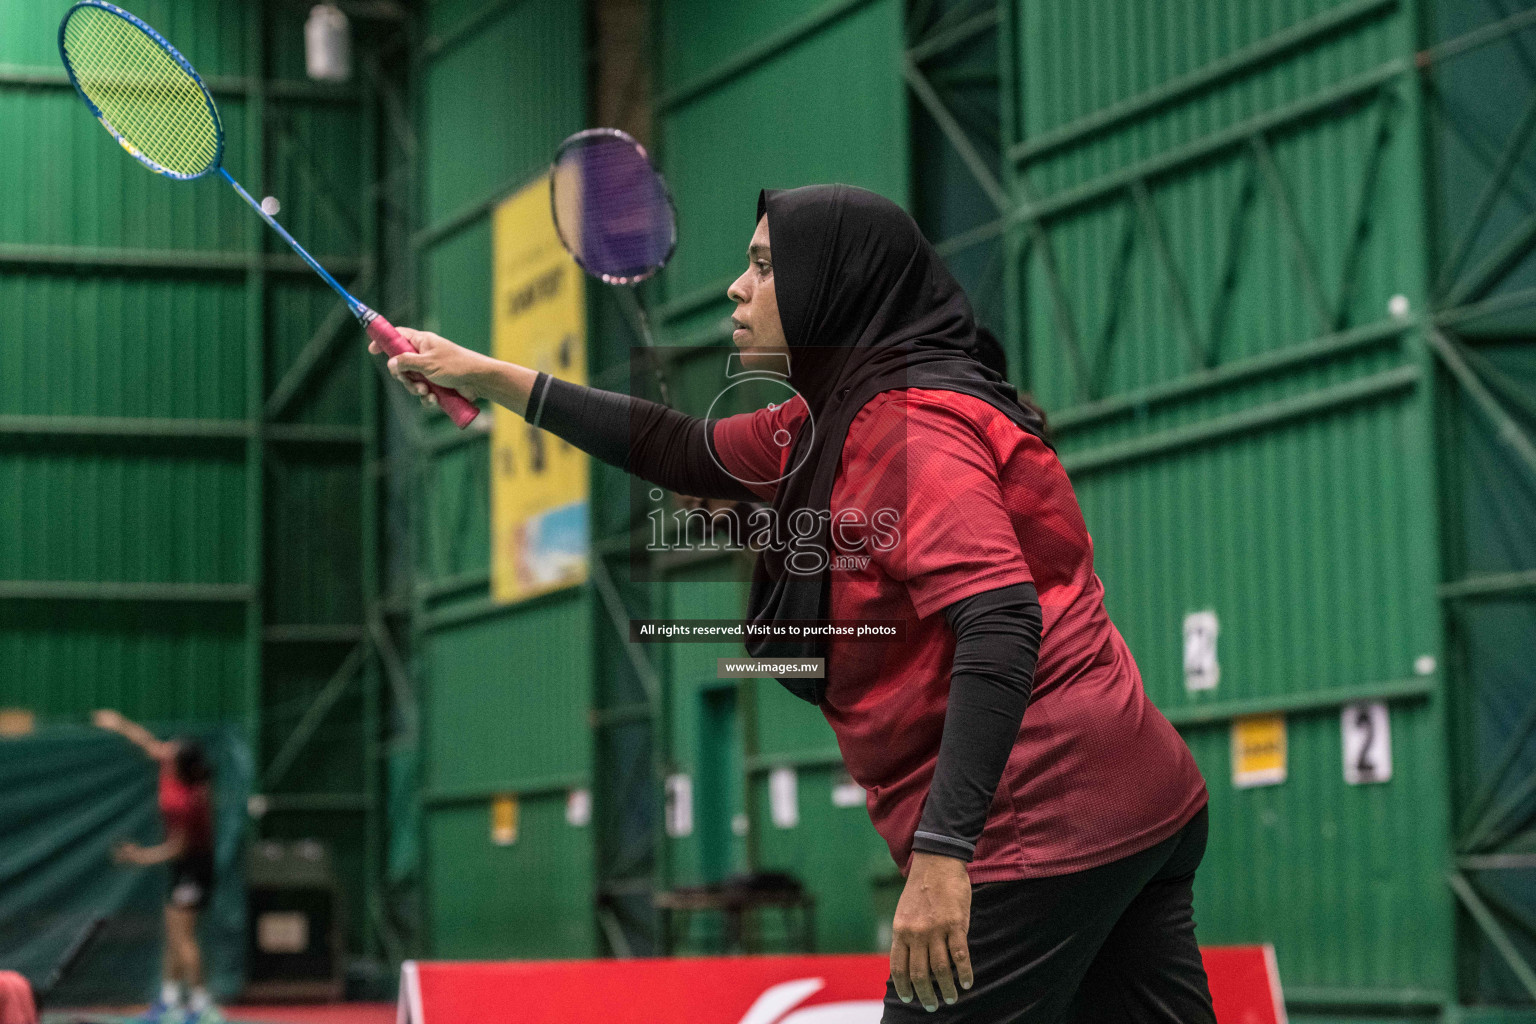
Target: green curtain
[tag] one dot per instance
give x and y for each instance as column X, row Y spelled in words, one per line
column 67, row 795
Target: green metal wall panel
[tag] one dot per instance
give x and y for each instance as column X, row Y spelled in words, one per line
column 956, row 145
column 626, row 744
column 458, row 527
column 788, row 726
column 505, row 691
column 696, row 36
column 332, row 395
column 708, row 750
column 1338, row 877
column 1210, row 231
column 125, row 346
column 530, row 900
column 1242, row 249
column 318, row 177
column 1063, row 76
column 789, row 112
column 450, row 18
column 780, row 80
column 151, row 322
column 331, row 767
column 1291, row 535
column 211, row 32
column 157, row 663
column 94, row 333
column 835, row 849
column 315, row 675
column 313, row 580
column 89, row 194
column 489, row 120
column 508, row 698
column 1483, row 171
column 457, row 286
column 88, row 515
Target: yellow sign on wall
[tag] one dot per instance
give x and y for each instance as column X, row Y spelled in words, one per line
column 1258, row 751
column 504, row 819
column 539, row 490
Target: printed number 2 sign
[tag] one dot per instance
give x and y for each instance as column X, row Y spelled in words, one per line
column 1367, row 743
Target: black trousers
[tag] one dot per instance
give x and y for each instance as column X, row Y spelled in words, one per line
column 1115, row 943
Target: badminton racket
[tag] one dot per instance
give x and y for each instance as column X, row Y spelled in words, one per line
column 148, row 96
column 615, row 216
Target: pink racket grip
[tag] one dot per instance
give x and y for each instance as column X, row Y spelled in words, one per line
column 459, row 409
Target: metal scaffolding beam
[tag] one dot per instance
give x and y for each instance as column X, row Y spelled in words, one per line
column 189, row 262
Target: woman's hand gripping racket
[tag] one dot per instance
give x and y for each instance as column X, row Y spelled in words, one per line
column 148, row 96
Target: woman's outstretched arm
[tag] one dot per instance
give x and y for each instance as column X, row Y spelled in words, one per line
column 651, row 441
column 160, row 750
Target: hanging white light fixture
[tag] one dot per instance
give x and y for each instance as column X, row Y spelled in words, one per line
column 327, row 44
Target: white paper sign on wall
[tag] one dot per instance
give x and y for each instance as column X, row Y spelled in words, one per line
column 679, row 805
column 578, row 808
column 1367, row 730
column 784, row 797
column 847, row 793
column 1201, row 669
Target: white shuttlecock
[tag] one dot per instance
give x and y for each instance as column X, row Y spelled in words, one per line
column 270, row 206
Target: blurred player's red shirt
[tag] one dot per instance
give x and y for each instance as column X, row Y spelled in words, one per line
column 1097, row 773
column 185, row 809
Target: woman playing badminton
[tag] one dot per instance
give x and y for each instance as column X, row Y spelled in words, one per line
column 185, row 806
column 1047, row 817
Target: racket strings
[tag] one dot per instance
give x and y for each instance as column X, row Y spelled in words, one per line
column 146, row 96
column 612, row 209
column 151, row 102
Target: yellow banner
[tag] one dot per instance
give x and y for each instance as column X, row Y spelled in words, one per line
column 1258, row 751
column 539, row 490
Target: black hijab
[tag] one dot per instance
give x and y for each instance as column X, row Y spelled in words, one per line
column 867, row 306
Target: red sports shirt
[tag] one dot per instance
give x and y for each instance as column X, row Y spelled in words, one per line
column 1097, row 773
column 185, row 809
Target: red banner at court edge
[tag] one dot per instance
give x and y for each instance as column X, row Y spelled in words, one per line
column 846, row 989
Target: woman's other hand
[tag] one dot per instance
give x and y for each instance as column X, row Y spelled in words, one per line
column 928, row 934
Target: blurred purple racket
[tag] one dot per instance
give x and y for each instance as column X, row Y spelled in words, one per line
column 615, row 216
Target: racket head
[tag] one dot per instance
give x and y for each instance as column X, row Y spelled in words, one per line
column 612, row 208
column 142, row 90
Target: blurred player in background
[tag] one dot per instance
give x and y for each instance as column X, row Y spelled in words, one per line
column 186, row 807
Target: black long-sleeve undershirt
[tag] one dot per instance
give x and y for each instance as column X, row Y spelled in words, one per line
column 655, row 443
column 997, row 631
column 997, row 641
